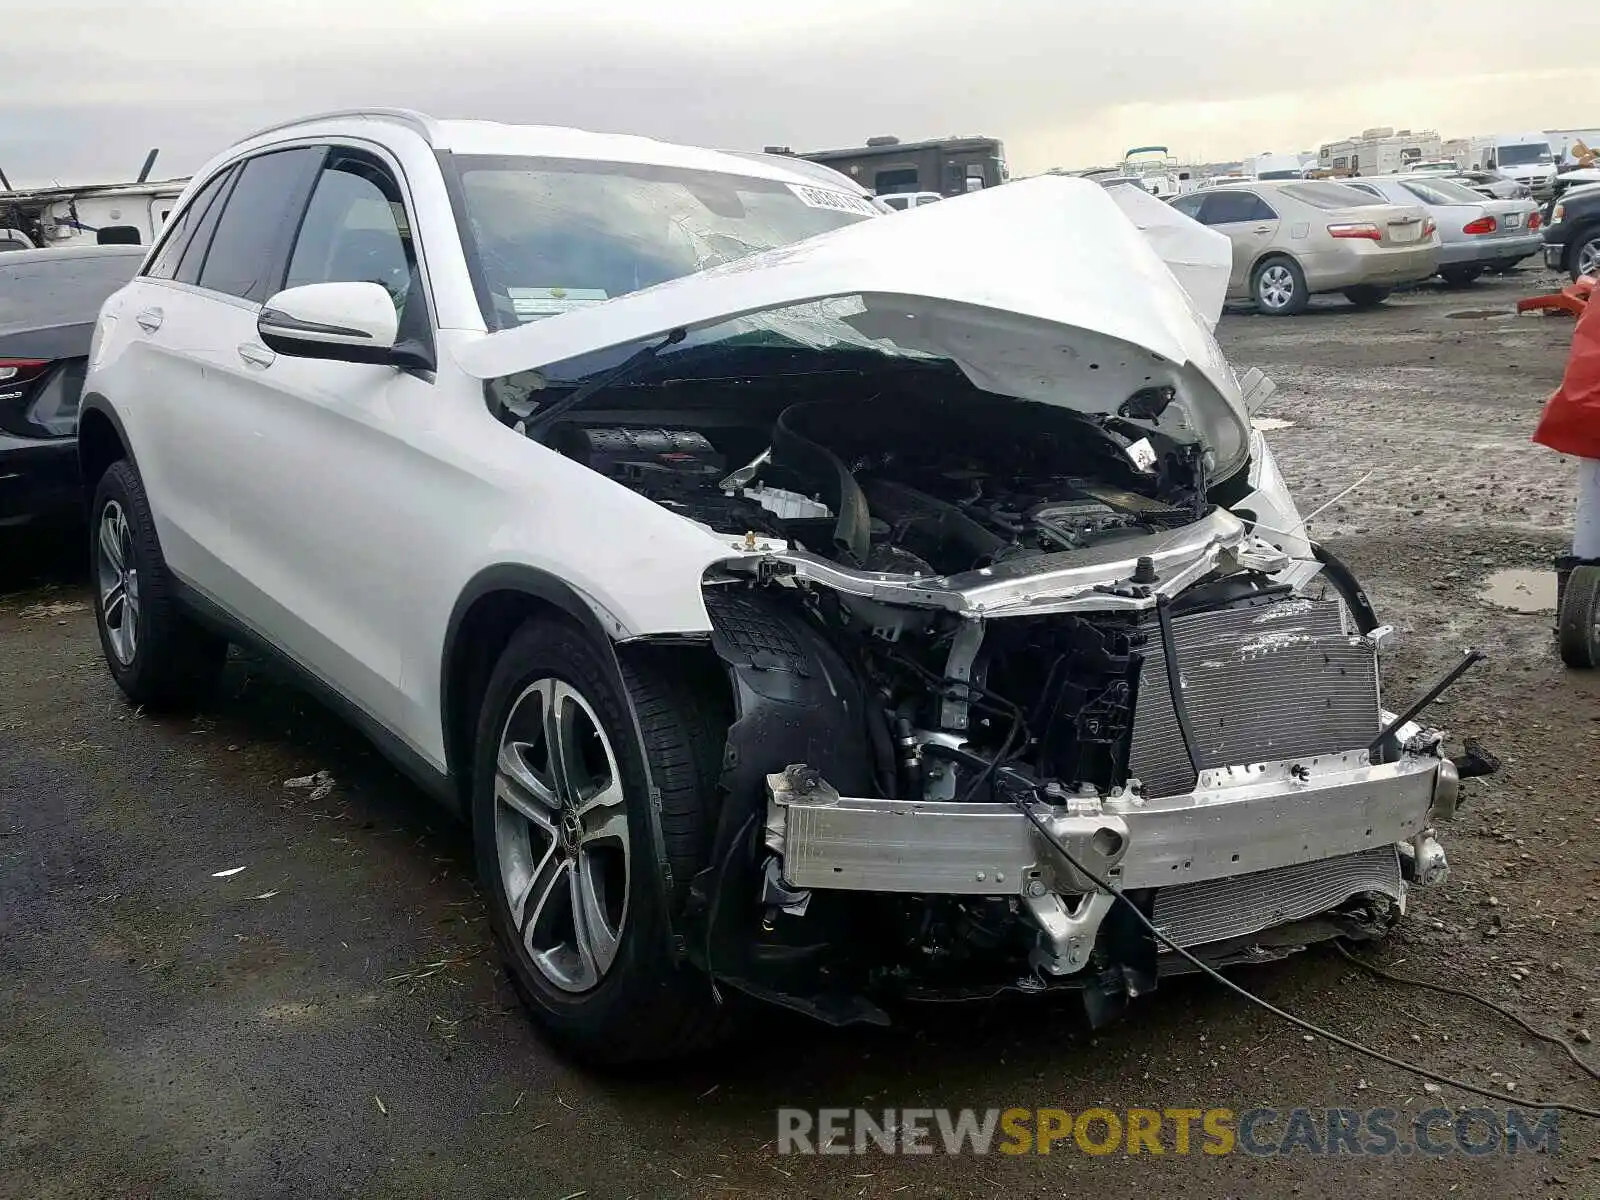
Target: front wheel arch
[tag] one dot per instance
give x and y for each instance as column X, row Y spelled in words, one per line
column 1585, row 234
column 495, row 603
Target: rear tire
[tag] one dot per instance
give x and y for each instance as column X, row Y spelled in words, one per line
column 551, row 846
column 1460, row 276
column 158, row 655
column 1366, row 296
column 1578, row 620
column 1278, row 287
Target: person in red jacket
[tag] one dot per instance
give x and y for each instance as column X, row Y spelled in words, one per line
column 1570, row 424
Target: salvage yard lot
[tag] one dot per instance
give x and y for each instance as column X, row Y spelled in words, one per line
column 330, row 1019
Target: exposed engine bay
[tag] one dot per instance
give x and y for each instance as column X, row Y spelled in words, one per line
column 927, row 488
column 977, row 609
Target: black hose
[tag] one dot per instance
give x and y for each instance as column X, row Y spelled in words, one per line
column 1349, row 588
column 1180, row 708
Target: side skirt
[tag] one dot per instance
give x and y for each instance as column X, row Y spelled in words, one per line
column 407, row 760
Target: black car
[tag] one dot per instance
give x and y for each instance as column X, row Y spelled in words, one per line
column 1572, row 234
column 49, row 300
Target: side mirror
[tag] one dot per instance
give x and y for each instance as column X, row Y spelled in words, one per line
column 346, row 322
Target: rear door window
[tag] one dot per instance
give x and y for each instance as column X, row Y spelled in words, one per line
column 246, row 254
column 205, row 225
column 182, row 233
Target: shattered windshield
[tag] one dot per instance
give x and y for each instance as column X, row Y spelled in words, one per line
column 552, row 235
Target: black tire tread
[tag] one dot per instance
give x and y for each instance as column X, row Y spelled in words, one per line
column 680, row 739
column 176, row 661
column 1576, row 622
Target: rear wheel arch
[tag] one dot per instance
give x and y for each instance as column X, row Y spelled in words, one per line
column 1268, row 256
column 101, row 442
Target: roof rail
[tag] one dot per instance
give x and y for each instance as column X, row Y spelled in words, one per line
column 418, row 122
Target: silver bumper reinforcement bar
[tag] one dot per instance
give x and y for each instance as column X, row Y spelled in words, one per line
column 1237, row 821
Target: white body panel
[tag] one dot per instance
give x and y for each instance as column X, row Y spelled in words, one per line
column 340, row 510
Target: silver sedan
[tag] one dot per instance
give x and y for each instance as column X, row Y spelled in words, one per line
column 1476, row 234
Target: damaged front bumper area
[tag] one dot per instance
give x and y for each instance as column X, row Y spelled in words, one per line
column 1249, row 849
column 1199, row 728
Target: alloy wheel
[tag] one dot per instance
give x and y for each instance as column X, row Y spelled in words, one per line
column 118, row 580
column 1589, row 257
column 1276, row 288
column 561, row 834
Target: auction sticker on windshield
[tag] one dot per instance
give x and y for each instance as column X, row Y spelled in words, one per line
column 531, row 303
column 819, row 197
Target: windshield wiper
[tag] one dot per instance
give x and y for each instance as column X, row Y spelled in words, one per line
column 546, row 417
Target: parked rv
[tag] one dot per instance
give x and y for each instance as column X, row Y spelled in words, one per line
column 887, row 166
column 1379, row 151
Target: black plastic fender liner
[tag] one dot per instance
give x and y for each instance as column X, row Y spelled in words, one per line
column 796, row 700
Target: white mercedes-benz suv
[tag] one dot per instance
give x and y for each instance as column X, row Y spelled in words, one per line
column 798, row 604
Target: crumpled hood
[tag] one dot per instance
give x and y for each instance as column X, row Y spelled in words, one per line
column 1200, row 258
column 1042, row 290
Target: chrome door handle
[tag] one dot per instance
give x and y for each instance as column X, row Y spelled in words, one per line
column 256, row 356
column 149, row 320
column 1264, row 229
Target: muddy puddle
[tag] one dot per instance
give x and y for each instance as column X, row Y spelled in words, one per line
column 1520, row 590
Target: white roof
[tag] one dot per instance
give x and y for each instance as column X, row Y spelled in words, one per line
column 540, row 141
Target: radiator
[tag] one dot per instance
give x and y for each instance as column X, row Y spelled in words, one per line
column 1263, row 683
column 1194, row 914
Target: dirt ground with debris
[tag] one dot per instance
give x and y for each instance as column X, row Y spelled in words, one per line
column 329, row 1018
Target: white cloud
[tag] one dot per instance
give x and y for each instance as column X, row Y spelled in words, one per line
column 1066, row 83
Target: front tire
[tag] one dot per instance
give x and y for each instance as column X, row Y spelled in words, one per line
column 1586, row 256
column 579, row 896
column 157, row 654
column 1278, row 287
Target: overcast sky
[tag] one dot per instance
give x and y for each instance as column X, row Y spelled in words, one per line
column 94, row 85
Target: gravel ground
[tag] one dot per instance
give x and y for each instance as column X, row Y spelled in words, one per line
column 330, row 1019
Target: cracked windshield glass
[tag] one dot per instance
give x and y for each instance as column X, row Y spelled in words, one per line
column 553, row 236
